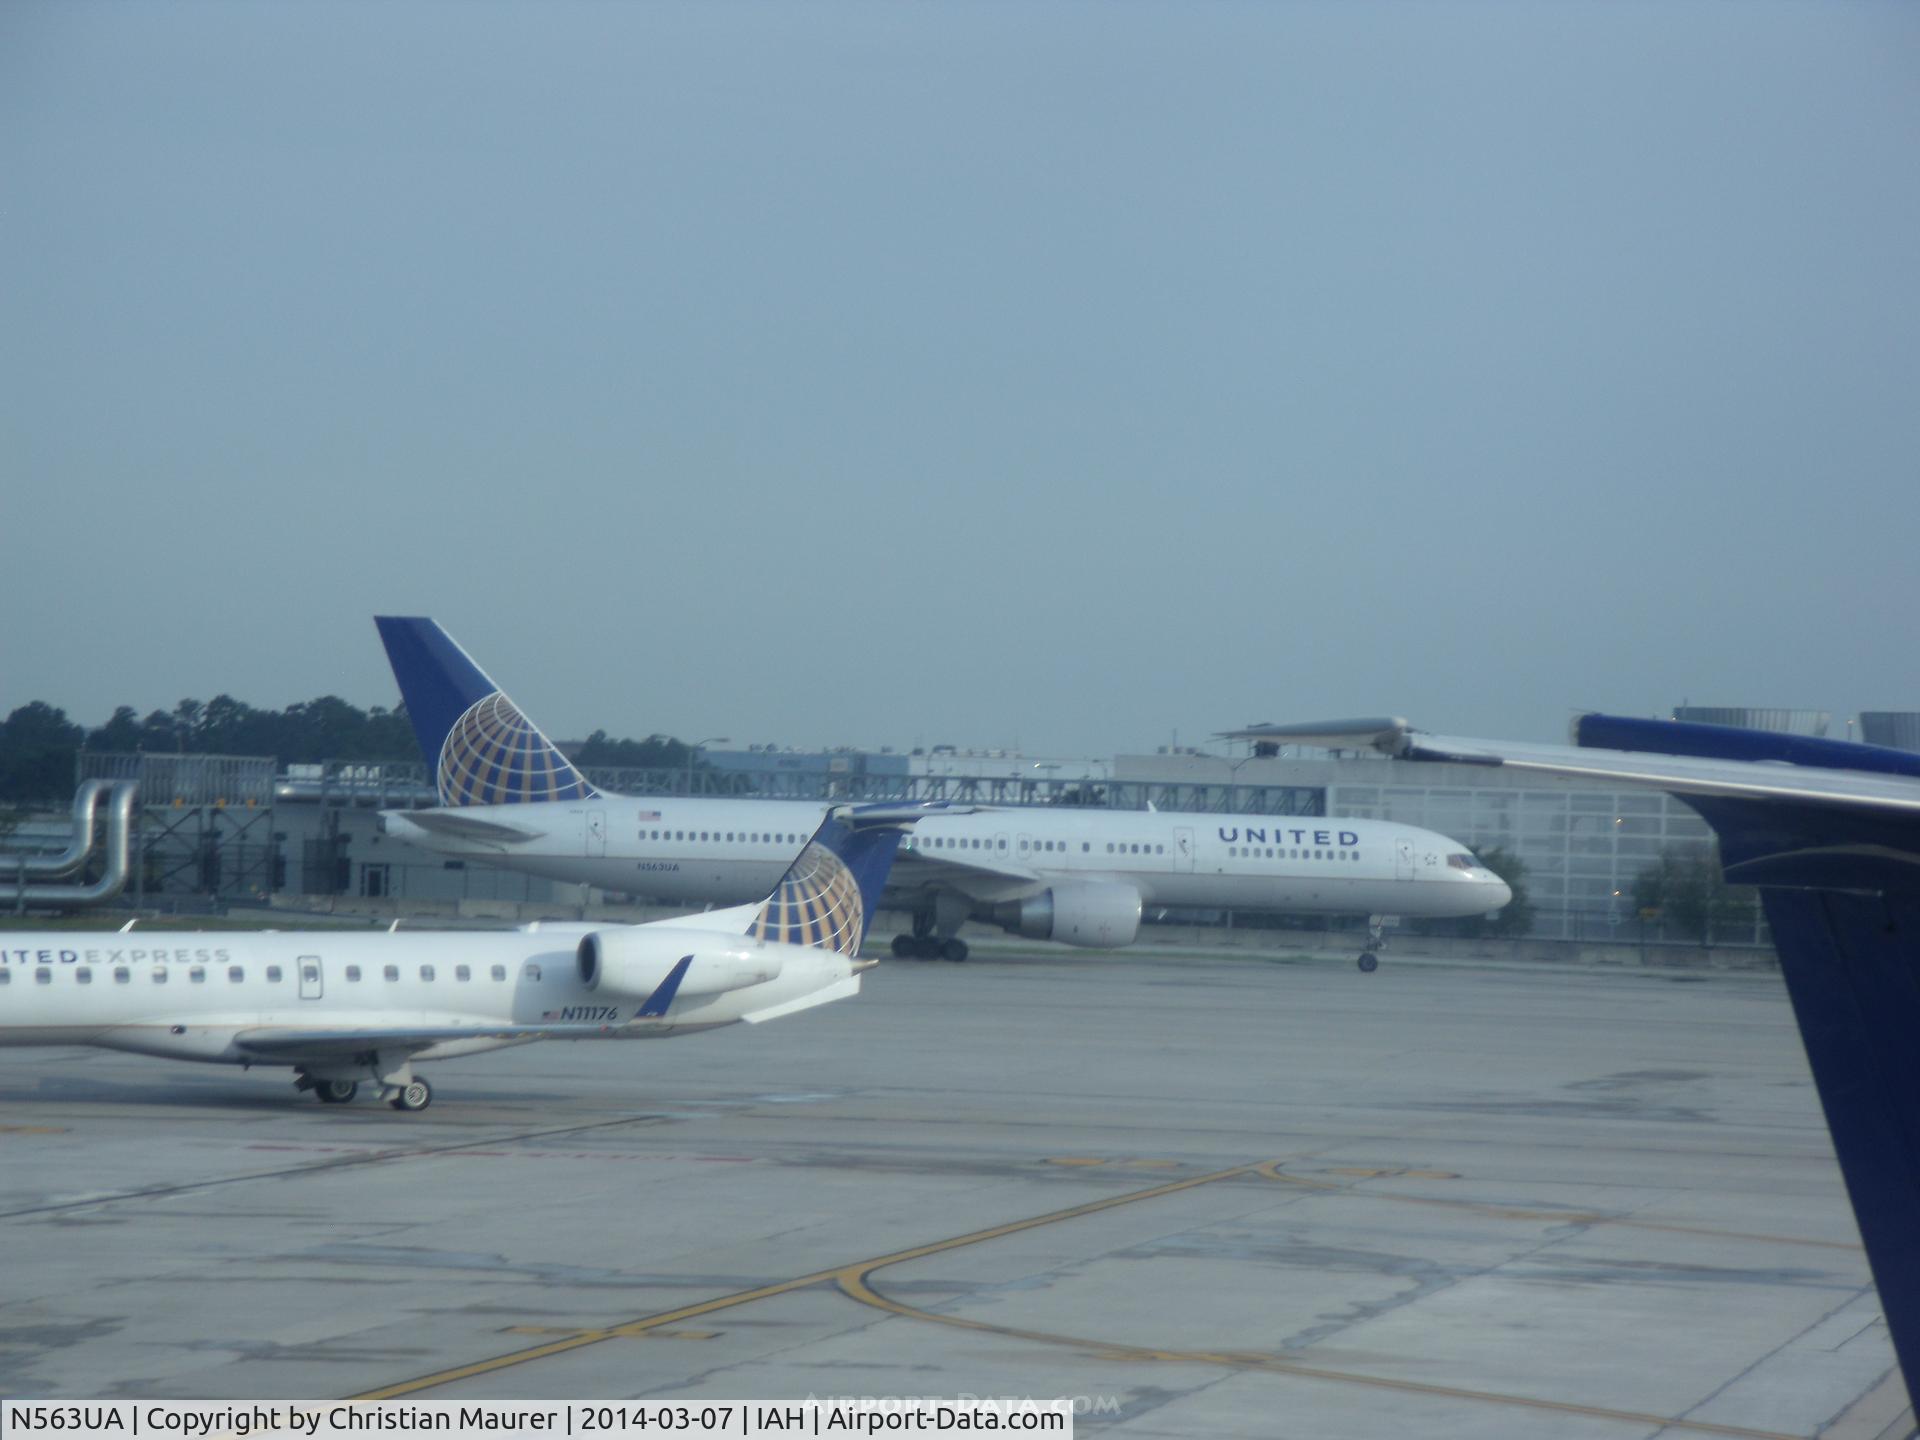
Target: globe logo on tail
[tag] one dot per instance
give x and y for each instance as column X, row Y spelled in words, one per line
column 494, row 755
column 818, row 904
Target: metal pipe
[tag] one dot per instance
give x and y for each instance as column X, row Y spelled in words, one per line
column 79, row 849
column 119, row 855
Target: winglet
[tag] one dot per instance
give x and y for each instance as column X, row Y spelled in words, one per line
column 662, row 997
column 479, row 745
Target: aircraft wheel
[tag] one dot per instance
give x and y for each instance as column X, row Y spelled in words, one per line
column 903, row 947
column 335, row 1092
column 1369, row 963
column 953, row 948
column 416, row 1094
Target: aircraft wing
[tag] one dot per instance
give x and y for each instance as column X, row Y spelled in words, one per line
column 1661, row 754
column 1830, row 832
column 291, row 1046
column 957, row 867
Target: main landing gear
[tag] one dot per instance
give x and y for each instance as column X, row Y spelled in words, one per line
column 415, row 1094
column 402, row 1090
column 929, row 947
column 934, row 934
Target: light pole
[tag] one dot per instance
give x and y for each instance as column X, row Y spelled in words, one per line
column 697, row 744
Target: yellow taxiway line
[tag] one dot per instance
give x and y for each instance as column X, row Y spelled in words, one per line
column 855, row 1282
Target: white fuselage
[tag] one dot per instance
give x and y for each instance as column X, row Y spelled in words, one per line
column 249, row 997
column 695, row 851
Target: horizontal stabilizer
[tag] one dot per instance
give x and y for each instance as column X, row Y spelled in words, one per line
column 1380, row 732
column 467, row 827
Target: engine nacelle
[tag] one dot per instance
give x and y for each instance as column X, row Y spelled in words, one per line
column 1099, row 914
column 632, row 964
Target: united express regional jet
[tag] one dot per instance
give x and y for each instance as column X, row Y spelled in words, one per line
column 509, row 797
column 345, row 1009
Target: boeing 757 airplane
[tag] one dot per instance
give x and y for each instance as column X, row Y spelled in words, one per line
column 345, row 1009
column 510, row 798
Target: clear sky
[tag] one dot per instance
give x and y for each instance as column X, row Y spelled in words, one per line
column 1059, row 375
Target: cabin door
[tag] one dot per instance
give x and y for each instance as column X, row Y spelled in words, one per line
column 596, row 834
column 1403, row 858
column 1183, row 849
column 311, row 980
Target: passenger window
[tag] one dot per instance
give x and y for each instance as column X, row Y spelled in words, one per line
column 499, row 972
column 198, row 974
column 426, row 972
column 121, row 975
column 1109, row 847
column 159, row 974
column 532, row 971
column 6, row 976
column 84, row 974
column 353, row 972
column 391, row 972
column 1003, row 844
column 43, row 976
column 463, row 972
column 1085, row 847
column 236, row 974
column 273, row 974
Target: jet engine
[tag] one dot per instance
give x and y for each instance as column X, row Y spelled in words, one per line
column 1099, row 914
column 633, row 965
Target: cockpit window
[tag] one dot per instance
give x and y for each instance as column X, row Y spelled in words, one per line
column 1464, row 862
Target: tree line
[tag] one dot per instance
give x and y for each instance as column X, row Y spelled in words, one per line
column 38, row 741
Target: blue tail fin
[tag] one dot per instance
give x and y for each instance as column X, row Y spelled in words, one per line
column 481, row 749
column 830, row 893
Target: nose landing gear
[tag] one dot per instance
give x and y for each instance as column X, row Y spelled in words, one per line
column 1377, row 927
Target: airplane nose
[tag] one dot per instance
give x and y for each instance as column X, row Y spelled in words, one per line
column 1501, row 893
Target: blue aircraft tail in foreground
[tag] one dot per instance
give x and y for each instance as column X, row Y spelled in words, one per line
column 479, row 746
column 1830, row 832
